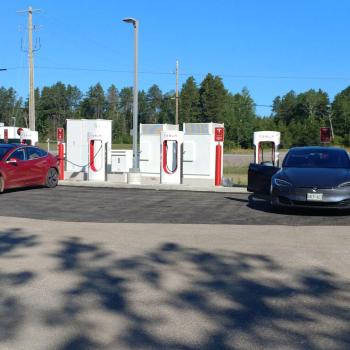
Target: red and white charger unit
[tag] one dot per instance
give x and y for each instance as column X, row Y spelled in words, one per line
column 171, row 146
column 97, row 156
column 84, row 137
column 18, row 135
column 203, row 153
column 270, row 139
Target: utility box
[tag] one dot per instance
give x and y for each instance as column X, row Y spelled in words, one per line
column 121, row 161
column 87, row 139
column 201, row 160
column 150, row 147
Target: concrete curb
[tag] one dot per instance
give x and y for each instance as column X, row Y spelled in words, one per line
column 77, row 183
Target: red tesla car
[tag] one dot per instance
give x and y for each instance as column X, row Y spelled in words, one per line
column 24, row 166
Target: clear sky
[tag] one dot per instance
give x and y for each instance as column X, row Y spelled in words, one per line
column 269, row 46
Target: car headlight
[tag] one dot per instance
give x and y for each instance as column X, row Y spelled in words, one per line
column 345, row 184
column 283, row 183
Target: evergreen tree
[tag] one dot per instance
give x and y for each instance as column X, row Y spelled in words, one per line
column 94, row 105
column 154, row 101
column 167, row 109
column 112, row 112
column 125, row 108
column 341, row 116
column 213, row 97
column 189, row 102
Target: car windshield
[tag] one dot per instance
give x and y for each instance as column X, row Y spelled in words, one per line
column 315, row 158
column 4, row 149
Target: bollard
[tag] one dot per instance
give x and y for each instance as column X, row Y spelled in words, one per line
column 60, row 151
column 218, row 165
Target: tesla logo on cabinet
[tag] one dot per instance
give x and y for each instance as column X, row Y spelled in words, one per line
column 60, row 134
column 219, row 134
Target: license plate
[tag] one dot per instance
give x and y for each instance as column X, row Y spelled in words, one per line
column 314, row 196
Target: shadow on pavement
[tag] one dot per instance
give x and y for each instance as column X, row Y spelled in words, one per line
column 178, row 297
column 12, row 311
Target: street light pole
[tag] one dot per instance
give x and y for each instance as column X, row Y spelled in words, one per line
column 177, row 94
column 136, row 162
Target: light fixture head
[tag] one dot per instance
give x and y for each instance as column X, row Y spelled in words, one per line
column 130, row 20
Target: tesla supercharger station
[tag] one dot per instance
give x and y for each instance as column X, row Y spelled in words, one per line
column 203, row 153
column 270, row 138
column 89, row 143
column 171, row 149
column 150, row 149
column 20, row 135
column 97, row 149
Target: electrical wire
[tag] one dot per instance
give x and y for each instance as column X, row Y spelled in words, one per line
column 224, row 75
column 85, row 165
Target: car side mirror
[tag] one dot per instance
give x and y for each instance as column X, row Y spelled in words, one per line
column 12, row 161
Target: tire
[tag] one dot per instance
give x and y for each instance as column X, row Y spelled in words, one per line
column 51, row 178
column 2, row 184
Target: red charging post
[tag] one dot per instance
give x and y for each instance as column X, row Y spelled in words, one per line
column 60, row 152
column 325, row 135
column 218, row 137
column 6, row 135
column 218, row 165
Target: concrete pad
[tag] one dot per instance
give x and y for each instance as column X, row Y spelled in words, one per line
column 158, row 187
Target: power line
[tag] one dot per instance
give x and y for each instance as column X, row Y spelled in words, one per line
column 267, row 77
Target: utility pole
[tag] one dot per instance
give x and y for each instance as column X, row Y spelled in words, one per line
column 177, row 94
column 31, row 67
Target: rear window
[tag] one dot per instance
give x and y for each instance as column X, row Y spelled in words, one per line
column 315, row 158
column 4, row 149
column 34, row 152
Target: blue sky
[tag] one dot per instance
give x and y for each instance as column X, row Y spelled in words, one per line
column 269, row 46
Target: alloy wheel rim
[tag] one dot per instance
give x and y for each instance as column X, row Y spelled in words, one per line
column 52, row 177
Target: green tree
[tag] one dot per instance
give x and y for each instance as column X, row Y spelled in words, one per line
column 10, row 106
column 313, row 104
column 167, row 108
column 55, row 104
column 284, row 109
column 341, row 116
column 213, row 97
column 143, row 109
column 154, row 101
column 189, row 102
column 112, row 112
column 239, row 118
column 125, row 108
column 94, row 105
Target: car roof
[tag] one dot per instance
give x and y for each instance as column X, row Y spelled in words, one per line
column 318, row 148
column 7, row 145
column 13, row 145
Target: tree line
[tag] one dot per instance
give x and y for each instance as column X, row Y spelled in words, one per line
column 297, row 116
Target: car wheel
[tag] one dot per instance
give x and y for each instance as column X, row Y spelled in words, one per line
column 52, row 178
column 2, row 184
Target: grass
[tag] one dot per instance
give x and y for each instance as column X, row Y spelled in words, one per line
column 238, row 175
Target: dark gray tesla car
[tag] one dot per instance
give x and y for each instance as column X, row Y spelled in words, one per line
column 309, row 177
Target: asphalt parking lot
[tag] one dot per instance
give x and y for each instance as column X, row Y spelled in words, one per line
column 149, row 206
column 88, row 268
